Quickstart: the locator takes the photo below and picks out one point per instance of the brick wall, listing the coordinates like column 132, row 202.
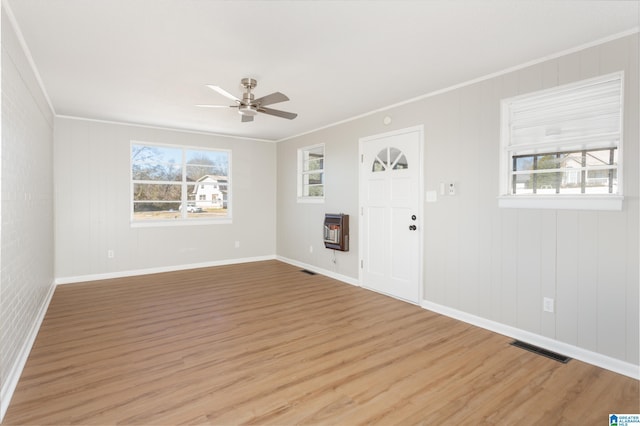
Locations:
column 26, row 232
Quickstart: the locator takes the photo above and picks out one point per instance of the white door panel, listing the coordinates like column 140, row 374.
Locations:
column 390, row 199
column 377, row 239
column 401, row 191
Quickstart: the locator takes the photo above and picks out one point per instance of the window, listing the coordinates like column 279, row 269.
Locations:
column 173, row 184
column 389, row 158
column 562, row 147
column 311, row 174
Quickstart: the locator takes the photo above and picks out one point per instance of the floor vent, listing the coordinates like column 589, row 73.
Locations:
column 531, row 348
column 306, row 271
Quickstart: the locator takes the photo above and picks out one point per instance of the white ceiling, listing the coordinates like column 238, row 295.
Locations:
column 148, row 61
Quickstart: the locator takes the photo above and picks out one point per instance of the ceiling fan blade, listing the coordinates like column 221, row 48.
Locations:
column 273, row 98
column 246, row 118
column 278, row 113
column 217, row 106
column 223, row 92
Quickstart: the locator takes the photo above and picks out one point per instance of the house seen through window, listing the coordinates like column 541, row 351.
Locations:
column 173, row 183
column 573, row 172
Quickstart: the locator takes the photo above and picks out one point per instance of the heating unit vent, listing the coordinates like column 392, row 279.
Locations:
column 531, row 348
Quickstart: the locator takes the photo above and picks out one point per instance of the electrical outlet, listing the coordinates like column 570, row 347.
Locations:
column 111, row 254
column 547, row 304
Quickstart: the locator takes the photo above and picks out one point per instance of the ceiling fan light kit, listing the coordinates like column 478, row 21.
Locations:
column 248, row 106
column 247, row 110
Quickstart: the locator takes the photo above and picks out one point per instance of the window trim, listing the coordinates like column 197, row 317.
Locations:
column 609, row 202
column 300, row 173
column 182, row 221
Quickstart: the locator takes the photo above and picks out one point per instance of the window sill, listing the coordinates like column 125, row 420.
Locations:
column 562, row 202
column 310, row 200
column 179, row 222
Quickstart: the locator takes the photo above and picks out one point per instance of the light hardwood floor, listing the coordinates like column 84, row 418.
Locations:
column 263, row 343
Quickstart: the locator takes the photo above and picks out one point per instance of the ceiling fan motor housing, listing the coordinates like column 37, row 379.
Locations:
column 247, row 107
column 248, row 110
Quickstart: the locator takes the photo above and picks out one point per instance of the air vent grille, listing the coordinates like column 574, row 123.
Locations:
column 540, row 351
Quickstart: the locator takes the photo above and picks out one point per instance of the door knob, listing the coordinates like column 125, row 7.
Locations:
column 413, row 217
column 412, row 227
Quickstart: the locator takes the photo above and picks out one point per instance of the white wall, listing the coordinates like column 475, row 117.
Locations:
column 26, row 250
column 300, row 225
column 92, row 194
column 499, row 263
column 495, row 264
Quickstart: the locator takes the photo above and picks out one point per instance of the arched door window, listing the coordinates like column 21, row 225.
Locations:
column 389, row 158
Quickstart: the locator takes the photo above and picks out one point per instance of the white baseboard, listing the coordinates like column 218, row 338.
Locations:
column 326, row 272
column 10, row 381
column 590, row 357
column 131, row 273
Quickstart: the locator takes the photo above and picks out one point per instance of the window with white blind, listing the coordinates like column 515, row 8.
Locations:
column 562, row 147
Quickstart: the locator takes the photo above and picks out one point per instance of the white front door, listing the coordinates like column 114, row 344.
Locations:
column 391, row 213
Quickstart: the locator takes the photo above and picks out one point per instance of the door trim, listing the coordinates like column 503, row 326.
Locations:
column 420, row 130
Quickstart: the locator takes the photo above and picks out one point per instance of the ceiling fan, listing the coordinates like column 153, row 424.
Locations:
column 248, row 107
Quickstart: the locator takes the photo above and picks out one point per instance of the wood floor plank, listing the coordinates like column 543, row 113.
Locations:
column 263, row 343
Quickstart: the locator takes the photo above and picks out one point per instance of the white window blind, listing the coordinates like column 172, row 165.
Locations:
column 569, row 117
